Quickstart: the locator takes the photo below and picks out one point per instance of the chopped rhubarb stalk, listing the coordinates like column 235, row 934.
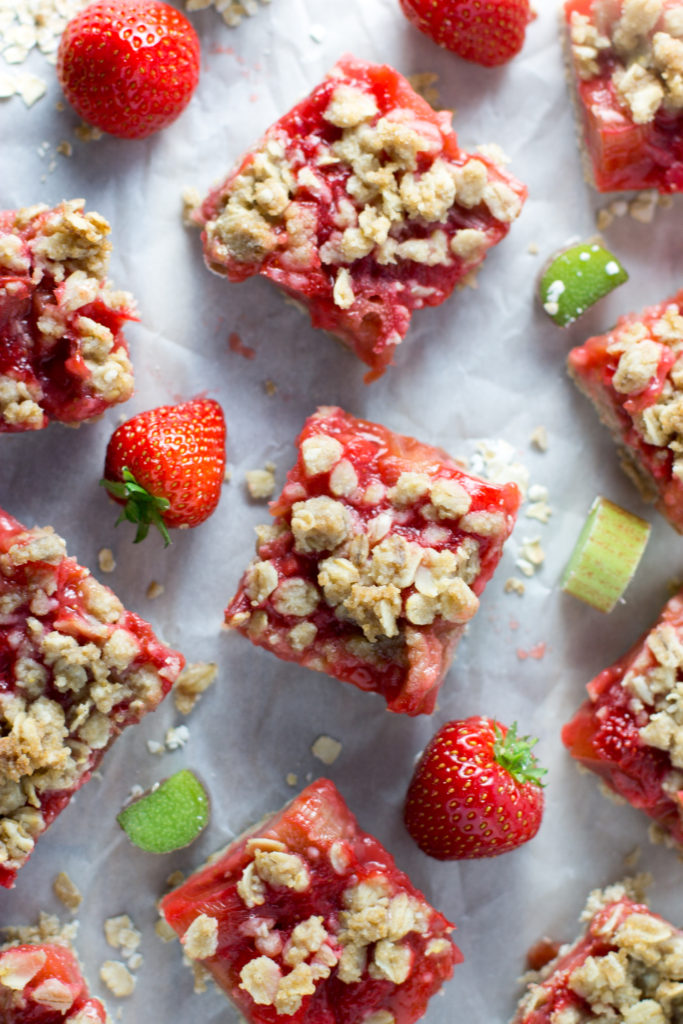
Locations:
column 626, row 59
column 380, row 549
column 625, row 969
column 169, row 817
column 307, row 918
column 629, row 731
column 577, row 278
column 634, row 377
column 42, row 984
column 76, row 668
column 62, row 352
column 360, row 204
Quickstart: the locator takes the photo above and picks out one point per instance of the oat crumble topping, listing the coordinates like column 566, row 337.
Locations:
column 117, row 978
column 192, row 682
column 67, row 891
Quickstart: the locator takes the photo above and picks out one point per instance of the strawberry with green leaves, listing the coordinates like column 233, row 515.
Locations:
column 488, row 32
column 476, row 792
column 166, row 465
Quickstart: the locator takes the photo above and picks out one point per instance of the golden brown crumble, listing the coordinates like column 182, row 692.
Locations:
column 260, row 482
column 117, row 978
column 201, row 938
column 191, row 684
column 67, row 891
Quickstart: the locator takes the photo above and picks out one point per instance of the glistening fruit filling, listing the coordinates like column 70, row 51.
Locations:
column 62, row 352
column 76, row 668
column 308, row 918
column 360, row 204
column 626, row 969
column 630, row 730
column 628, row 66
column 380, row 548
column 634, row 376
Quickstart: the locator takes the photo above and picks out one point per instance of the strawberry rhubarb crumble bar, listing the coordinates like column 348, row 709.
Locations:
column 308, row 918
column 627, row 63
column 62, row 352
column 380, row 548
column 634, row 376
column 75, row 669
column 626, row 969
column 630, row 730
column 360, row 204
column 41, row 981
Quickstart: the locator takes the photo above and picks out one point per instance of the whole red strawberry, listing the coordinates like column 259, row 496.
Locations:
column 476, row 791
column 488, row 32
column 166, row 466
column 129, row 66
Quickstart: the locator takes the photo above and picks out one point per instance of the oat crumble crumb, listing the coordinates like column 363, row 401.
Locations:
column 117, row 978
column 154, row 590
column 326, row 749
column 201, row 938
column 106, row 560
column 260, row 483
column 513, row 585
column 67, row 891
column 539, row 438
column 192, row 682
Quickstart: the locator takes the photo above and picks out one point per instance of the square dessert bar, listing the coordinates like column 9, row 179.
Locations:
column 379, row 551
column 41, row 981
column 626, row 969
column 630, row 730
column 307, row 917
column 634, row 377
column 626, row 58
column 75, row 669
column 360, row 204
column 62, row 352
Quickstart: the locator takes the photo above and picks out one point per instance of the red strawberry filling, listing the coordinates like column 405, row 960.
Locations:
column 308, row 918
column 628, row 732
column 360, row 204
column 76, row 668
column 634, row 376
column 62, row 352
column 625, row 968
column 42, row 984
column 380, row 548
column 626, row 59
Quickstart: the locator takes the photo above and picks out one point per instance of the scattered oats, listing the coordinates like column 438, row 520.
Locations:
column 326, row 749
column 191, row 684
column 539, row 438
column 514, row 585
column 66, row 891
column 270, row 387
column 531, row 557
column 642, row 208
column 291, row 778
column 177, row 737
column 631, row 859
column 495, row 460
column 29, row 87
column 7, row 85
column 260, row 483
column 232, row 11
column 532, row 248
column 424, row 84
column 88, row 132
column 65, row 148
column 121, row 933
column 164, row 930
column 192, row 200
column 539, row 510
column 154, row 590
column 135, row 961
column 154, row 747
column 106, row 560
column 117, row 978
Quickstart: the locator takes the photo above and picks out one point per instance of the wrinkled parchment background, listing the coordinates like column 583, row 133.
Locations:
column 485, row 364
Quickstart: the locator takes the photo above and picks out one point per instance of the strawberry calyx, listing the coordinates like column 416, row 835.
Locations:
column 141, row 508
column 514, row 754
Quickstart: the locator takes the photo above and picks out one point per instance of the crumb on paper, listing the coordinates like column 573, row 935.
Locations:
column 232, row 11
column 164, row 930
column 468, row 281
column 538, row 507
column 67, row 891
column 175, row 879
column 643, row 207
column 65, row 148
column 154, row 747
column 496, row 460
column 424, row 84
column 513, row 585
column 88, row 132
column 531, row 556
column 260, row 483
column 48, row 929
column 270, row 387
column 532, row 248
column 539, row 438
column 117, row 978
column 632, row 857
column 201, row 976
column 106, row 560
column 155, row 589
column 176, row 737
column 192, row 200
column 192, row 683
column 326, row 749
column 291, row 779
column 121, row 933
column 30, row 87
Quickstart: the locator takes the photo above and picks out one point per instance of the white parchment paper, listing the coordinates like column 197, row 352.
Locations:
column 486, row 364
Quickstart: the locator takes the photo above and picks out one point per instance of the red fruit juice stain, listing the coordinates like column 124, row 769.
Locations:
column 536, row 652
column 237, row 345
column 541, row 953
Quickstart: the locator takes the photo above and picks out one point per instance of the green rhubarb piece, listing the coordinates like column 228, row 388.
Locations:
column 606, row 555
column 169, row 817
column 577, row 278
